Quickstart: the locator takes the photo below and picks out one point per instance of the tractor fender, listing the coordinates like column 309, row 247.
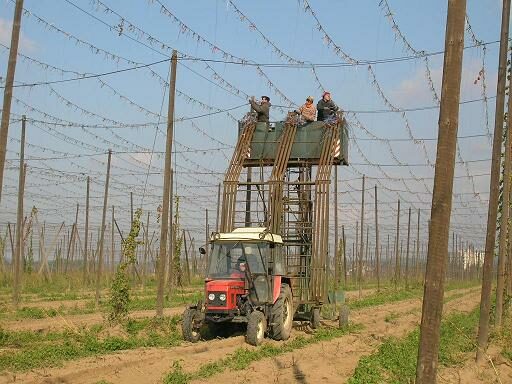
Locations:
column 276, row 288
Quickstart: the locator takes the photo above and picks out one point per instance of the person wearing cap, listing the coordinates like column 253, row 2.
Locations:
column 326, row 108
column 262, row 109
column 308, row 110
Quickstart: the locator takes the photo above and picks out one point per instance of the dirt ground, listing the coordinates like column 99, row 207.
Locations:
column 328, row 362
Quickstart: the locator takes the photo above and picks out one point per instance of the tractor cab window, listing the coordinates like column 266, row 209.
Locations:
column 234, row 259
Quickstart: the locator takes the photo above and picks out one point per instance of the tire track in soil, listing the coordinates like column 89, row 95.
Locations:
column 335, row 361
column 149, row 365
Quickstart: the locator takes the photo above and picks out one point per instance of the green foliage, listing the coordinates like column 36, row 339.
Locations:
column 28, row 262
column 243, row 357
column 177, row 375
column 24, row 350
column 395, row 361
column 119, row 298
column 178, row 240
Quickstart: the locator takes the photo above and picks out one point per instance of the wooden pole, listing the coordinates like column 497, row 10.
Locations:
column 407, row 251
column 504, row 220
column 112, row 244
column 71, row 240
column 164, row 227
column 377, row 255
column 426, row 368
column 19, row 218
column 485, row 300
column 131, row 209
column 337, row 254
column 218, row 210
column 361, row 249
column 9, row 82
column 417, row 265
column 206, row 227
column 248, row 198
column 397, row 256
column 344, row 256
column 99, row 265
column 86, row 235
column 186, row 256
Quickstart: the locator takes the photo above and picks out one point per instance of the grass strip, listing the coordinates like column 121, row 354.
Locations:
column 384, row 297
column 395, row 360
column 22, row 351
column 243, row 357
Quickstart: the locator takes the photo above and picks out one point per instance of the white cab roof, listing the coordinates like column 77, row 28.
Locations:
column 248, row 234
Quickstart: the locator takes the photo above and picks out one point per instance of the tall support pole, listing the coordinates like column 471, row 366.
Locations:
column 337, row 253
column 388, row 263
column 112, row 243
column 207, row 238
column 361, row 249
column 417, row 265
column 172, row 275
column 9, row 81
column 186, row 257
column 19, row 218
column 355, row 254
column 218, row 210
column 426, row 368
column 248, row 198
column 397, row 253
column 164, row 226
column 407, row 251
column 99, row 265
column 504, row 220
column 485, row 300
column 377, row 253
column 86, row 233
column 131, row 209
column 344, row 256
column 71, row 240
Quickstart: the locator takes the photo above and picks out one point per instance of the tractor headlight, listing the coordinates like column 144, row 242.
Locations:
column 222, row 297
column 211, row 296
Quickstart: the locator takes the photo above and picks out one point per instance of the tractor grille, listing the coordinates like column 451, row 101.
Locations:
column 217, row 302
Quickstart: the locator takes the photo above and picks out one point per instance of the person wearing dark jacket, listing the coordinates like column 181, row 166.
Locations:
column 262, row 109
column 326, row 108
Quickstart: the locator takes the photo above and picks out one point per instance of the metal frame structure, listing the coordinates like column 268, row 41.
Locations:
column 296, row 209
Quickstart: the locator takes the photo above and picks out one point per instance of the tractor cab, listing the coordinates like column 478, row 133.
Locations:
column 243, row 268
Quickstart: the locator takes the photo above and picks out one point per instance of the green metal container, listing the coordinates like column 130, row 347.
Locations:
column 306, row 148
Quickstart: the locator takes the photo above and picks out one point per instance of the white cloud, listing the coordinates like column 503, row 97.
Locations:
column 25, row 44
column 415, row 91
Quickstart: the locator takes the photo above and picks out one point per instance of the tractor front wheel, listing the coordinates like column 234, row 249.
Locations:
column 256, row 327
column 282, row 314
column 191, row 324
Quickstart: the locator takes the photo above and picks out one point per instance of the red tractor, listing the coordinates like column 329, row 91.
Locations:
column 246, row 283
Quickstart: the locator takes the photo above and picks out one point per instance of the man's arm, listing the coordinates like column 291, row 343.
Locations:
column 256, row 106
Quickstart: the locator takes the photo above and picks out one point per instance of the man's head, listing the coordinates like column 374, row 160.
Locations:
column 265, row 99
column 326, row 96
column 309, row 100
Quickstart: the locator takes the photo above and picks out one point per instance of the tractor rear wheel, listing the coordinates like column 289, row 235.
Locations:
column 315, row 318
column 256, row 327
column 191, row 325
column 282, row 314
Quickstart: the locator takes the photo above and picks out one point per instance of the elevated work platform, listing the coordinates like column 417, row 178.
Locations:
column 306, row 148
column 289, row 168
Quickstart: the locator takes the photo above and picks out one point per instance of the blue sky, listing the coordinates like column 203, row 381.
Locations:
column 360, row 28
